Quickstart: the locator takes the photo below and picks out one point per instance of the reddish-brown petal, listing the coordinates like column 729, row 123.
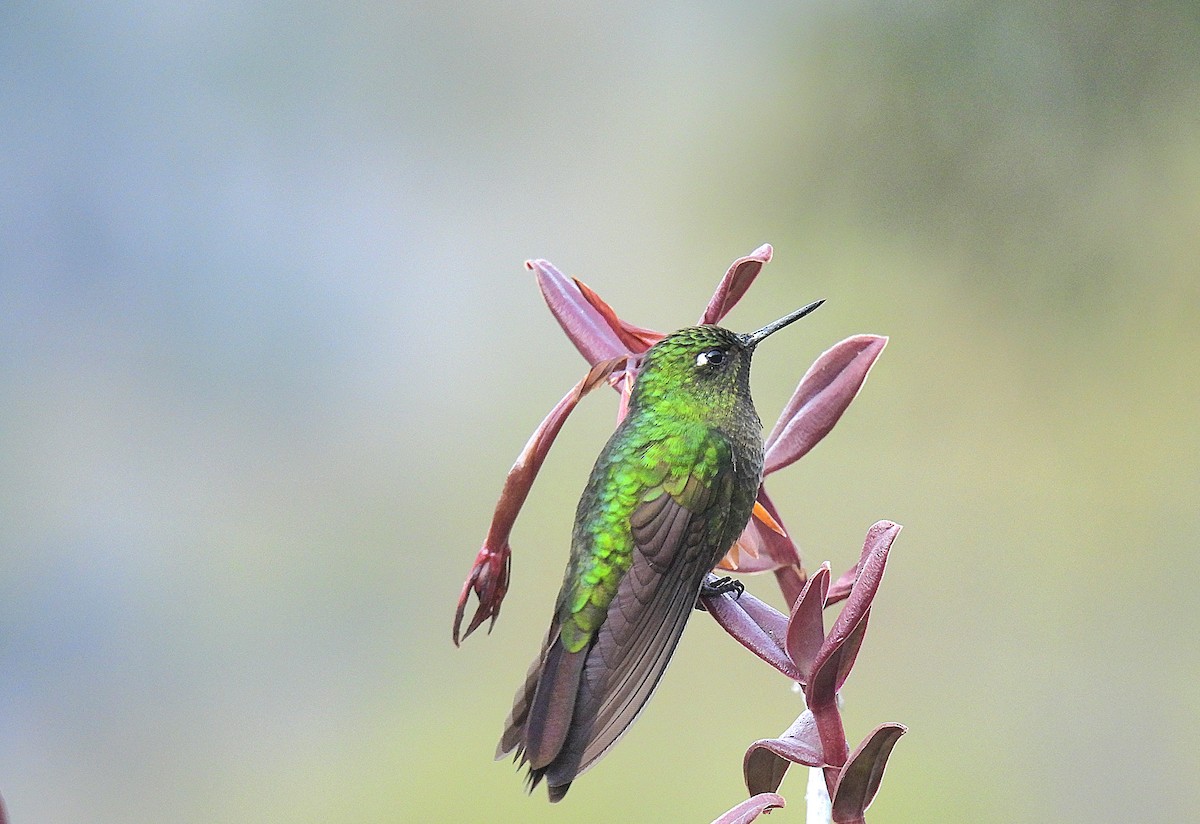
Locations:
column 751, row 808
column 586, row 326
column 822, row 701
column 859, row 779
column 836, row 656
column 839, row 590
column 737, row 280
column 825, row 391
column 791, row 580
column 637, row 338
column 755, row 625
column 827, row 677
column 487, row 584
column 871, row 564
column 767, row 761
column 806, row 627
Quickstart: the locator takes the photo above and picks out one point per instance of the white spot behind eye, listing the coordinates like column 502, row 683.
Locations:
column 702, row 359
column 715, row 357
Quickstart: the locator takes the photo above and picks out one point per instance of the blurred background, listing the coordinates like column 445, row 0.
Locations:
column 267, row 349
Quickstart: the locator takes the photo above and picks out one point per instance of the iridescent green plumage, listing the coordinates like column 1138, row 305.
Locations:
column 664, row 447
column 668, row 496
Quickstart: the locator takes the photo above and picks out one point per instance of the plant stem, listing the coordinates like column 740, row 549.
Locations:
column 820, row 809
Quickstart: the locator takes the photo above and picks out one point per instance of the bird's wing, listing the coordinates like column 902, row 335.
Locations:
column 676, row 529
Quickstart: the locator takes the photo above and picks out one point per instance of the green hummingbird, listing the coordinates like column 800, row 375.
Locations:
column 670, row 493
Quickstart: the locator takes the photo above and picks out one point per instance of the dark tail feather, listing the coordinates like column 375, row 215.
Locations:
column 566, row 765
column 542, row 712
column 514, row 726
column 558, row 791
column 623, row 667
column 574, row 706
column 549, row 718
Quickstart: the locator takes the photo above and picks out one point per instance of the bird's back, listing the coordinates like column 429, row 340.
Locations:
column 666, row 499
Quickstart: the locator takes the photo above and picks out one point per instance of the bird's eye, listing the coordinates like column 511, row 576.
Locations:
column 713, row 357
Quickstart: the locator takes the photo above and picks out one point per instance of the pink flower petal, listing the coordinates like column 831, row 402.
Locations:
column 637, row 338
column 755, row 625
column 871, row 564
column 806, row 627
column 839, row 590
column 791, row 580
column 859, row 779
column 737, row 280
column 836, row 656
column 767, row 761
column 825, row 391
column 585, row 325
column 751, row 808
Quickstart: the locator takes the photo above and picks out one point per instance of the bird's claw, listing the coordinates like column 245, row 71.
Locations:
column 722, row 586
column 719, row 586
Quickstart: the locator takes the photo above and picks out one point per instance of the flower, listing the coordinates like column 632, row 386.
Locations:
column 798, row 647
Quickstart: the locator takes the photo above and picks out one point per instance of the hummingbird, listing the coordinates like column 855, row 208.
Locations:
column 669, row 494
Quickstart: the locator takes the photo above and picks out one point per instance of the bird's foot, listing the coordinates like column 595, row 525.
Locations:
column 720, row 586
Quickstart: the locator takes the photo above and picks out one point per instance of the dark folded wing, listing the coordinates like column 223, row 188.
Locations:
column 676, row 543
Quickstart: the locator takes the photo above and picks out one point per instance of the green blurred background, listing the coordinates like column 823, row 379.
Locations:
column 267, row 349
